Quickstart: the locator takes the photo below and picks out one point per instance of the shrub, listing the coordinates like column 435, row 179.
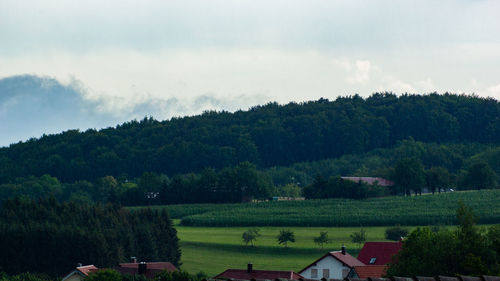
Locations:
column 395, row 233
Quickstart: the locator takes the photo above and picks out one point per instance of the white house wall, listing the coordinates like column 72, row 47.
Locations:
column 329, row 262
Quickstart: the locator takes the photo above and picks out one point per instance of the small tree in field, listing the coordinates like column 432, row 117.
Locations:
column 250, row 236
column 285, row 236
column 322, row 239
column 396, row 233
column 358, row 237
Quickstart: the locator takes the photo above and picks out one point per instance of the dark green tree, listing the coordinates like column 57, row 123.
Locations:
column 250, row 236
column 481, row 176
column 322, row 239
column 285, row 236
column 409, row 176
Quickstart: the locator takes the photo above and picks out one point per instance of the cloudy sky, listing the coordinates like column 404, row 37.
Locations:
column 118, row 60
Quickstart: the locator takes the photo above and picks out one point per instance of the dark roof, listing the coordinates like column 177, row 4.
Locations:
column 372, row 271
column 370, row 180
column 151, row 265
column 152, row 268
column 345, row 259
column 242, row 274
column 381, row 251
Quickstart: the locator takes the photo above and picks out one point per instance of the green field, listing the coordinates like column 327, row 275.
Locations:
column 214, row 249
column 415, row 210
column 215, row 245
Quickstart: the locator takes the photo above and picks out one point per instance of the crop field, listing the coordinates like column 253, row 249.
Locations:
column 215, row 249
column 437, row 209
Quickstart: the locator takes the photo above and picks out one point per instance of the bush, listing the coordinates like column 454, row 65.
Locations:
column 395, row 233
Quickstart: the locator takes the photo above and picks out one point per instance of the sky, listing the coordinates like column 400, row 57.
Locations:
column 118, row 60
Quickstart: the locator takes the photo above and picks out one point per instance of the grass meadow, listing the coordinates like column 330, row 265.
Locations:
column 214, row 249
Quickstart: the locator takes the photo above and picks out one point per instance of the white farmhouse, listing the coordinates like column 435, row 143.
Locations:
column 333, row 265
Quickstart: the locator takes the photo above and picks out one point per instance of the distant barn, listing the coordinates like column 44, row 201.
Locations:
column 370, row 180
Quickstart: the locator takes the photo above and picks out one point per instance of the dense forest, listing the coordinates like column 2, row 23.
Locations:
column 271, row 150
column 268, row 135
column 51, row 237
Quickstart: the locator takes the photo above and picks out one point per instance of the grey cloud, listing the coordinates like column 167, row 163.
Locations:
column 31, row 106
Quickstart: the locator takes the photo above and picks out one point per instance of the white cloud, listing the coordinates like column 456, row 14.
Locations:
column 494, row 92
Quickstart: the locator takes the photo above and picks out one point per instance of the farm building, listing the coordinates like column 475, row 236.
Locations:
column 333, row 265
column 148, row 269
column 370, row 180
column 252, row 274
column 80, row 273
column 378, row 253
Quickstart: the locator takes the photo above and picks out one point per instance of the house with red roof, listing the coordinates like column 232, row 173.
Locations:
column 367, row 271
column 378, row 253
column 333, row 265
column 148, row 269
column 80, row 273
column 252, row 274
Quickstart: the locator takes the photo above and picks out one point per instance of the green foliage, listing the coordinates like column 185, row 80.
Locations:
column 322, row 239
column 409, row 176
column 336, row 187
column 396, row 233
column 358, row 237
column 49, row 237
column 268, row 135
column 466, row 251
column 392, row 210
column 438, row 178
column 26, row 276
column 175, row 276
column 285, row 236
column 104, row 275
column 250, row 236
column 481, row 176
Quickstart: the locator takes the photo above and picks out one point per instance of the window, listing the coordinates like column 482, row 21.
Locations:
column 326, row 273
column 372, row 260
column 314, row 273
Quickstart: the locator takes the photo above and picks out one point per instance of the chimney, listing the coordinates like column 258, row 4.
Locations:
column 343, row 249
column 79, row 264
column 142, row 268
column 133, row 260
column 249, row 268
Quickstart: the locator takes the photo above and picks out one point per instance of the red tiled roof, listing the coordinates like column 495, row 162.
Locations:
column 370, row 180
column 85, row 270
column 373, row 271
column 242, row 274
column 382, row 251
column 346, row 259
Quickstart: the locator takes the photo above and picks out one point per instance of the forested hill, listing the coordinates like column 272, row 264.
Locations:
column 265, row 135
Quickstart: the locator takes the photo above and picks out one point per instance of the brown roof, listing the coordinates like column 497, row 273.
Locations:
column 85, row 270
column 370, row 180
column 382, row 252
column 345, row 259
column 242, row 274
column 372, row 271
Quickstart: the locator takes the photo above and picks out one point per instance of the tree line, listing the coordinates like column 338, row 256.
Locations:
column 45, row 236
column 266, row 136
column 468, row 250
column 435, row 167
